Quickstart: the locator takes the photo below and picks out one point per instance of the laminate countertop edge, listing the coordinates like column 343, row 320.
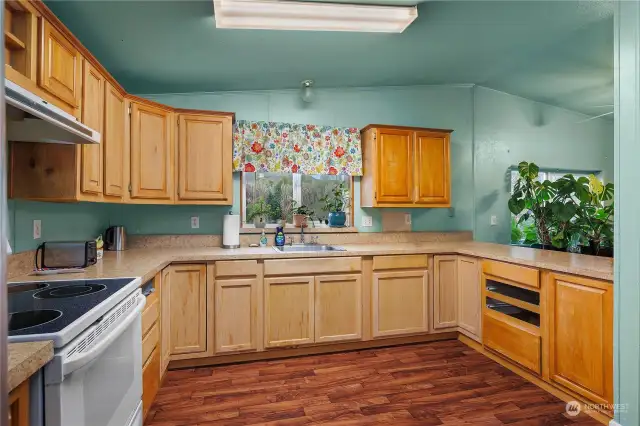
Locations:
column 147, row 262
column 25, row 359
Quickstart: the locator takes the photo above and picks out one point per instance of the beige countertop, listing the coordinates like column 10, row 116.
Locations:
column 25, row 359
column 146, row 262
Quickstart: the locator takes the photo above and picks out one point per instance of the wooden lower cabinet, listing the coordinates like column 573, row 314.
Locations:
column 445, row 291
column 165, row 318
column 469, row 297
column 150, row 381
column 338, row 308
column 580, row 312
column 190, row 293
column 514, row 339
column 399, row 303
column 289, row 311
column 19, row 405
column 236, row 315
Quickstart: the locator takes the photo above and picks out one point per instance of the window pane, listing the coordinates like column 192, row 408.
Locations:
column 276, row 189
column 315, row 187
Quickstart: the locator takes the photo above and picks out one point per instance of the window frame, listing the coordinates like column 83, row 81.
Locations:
column 297, row 189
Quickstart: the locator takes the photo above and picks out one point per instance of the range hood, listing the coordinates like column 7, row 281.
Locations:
column 32, row 119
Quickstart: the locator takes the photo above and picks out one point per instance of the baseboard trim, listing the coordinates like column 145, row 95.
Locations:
column 558, row 393
column 309, row 350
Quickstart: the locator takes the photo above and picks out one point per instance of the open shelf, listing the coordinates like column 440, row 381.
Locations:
column 12, row 42
column 513, row 311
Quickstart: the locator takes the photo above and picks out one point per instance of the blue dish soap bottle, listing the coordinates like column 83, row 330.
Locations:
column 280, row 239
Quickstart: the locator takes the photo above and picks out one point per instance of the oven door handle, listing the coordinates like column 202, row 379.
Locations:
column 75, row 363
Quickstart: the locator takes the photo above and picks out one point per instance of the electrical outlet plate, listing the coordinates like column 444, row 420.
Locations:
column 37, row 229
column 367, row 221
column 195, row 222
column 494, row 220
column 407, row 218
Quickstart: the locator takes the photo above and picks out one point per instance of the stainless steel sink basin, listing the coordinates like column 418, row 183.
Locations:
column 308, row 247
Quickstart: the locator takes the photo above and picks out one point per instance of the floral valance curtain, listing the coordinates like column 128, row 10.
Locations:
column 260, row 146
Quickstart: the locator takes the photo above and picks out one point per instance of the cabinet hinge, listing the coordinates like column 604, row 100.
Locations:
column 129, row 109
column 375, row 195
column 129, row 187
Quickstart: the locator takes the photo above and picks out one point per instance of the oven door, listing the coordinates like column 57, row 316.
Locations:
column 96, row 380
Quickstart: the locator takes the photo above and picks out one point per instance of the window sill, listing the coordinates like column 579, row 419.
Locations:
column 288, row 229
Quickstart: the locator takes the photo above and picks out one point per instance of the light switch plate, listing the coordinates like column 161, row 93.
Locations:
column 367, row 221
column 494, row 220
column 195, row 222
column 37, row 229
column 407, row 218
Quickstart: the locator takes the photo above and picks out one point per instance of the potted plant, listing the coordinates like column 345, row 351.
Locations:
column 300, row 215
column 259, row 212
column 532, row 199
column 334, row 203
column 595, row 217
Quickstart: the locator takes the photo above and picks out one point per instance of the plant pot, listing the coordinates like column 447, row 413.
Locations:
column 300, row 220
column 259, row 222
column 595, row 249
column 337, row 219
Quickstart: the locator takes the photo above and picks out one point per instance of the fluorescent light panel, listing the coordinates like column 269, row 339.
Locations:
column 311, row 16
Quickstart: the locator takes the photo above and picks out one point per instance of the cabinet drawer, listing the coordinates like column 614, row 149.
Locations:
column 150, row 313
column 150, row 381
column 512, row 340
column 515, row 273
column 312, row 266
column 150, row 342
column 412, row 261
column 236, row 268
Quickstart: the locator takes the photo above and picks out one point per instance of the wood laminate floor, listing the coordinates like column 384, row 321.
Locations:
column 439, row 383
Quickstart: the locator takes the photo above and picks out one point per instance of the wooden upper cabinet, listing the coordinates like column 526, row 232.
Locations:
column 405, row 167
column 60, row 67
column 395, row 157
column 91, row 177
column 205, row 151
column 113, row 141
column 431, row 161
column 20, row 42
column 151, row 168
column 580, row 312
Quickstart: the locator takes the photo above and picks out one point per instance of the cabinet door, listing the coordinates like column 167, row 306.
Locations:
column 469, row 297
column 165, row 319
column 113, row 137
column 289, row 311
column 236, row 315
column 151, row 153
column 445, row 292
column 60, row 66
column 432, row 168
column 580, row 313
column 92, row 116
column 188, row 319
column 205, row 158
column 338, row 308
column 19, row 405
column 399, row 302
column 395, row 166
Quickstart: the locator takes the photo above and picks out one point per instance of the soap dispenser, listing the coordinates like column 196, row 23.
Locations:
column 280, row 238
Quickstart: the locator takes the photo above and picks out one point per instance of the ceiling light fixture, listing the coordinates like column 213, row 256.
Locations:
column 312, row 16
column 307, row 91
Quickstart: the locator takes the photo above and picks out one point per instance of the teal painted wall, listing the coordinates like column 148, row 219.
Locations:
column 493, row 131
column 509, row 129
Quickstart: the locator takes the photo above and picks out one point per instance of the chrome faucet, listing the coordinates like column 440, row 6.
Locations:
column 302, row 235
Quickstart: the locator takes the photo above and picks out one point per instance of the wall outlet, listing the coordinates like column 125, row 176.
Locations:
column 195, row 222
column 407, row 218
column 37, row 229
column 367, row 221
column 494, row 220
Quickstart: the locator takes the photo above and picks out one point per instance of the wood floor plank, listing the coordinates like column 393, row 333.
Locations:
column 437, row 383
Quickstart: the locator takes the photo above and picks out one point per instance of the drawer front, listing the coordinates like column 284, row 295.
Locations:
column 150, row 381
column 411, row 261
column 150, row 342
column 513, row 342
column 150, row 313
column 312, row 266
column 236, row 268
column 511, row 272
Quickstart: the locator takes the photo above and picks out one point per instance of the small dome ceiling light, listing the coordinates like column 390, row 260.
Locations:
column 307, row 91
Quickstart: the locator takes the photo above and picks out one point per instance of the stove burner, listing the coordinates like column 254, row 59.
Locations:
column 26, row 319
column 69, row 291
column 21, row 288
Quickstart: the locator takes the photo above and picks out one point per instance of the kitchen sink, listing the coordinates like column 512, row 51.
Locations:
column 308, row 247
